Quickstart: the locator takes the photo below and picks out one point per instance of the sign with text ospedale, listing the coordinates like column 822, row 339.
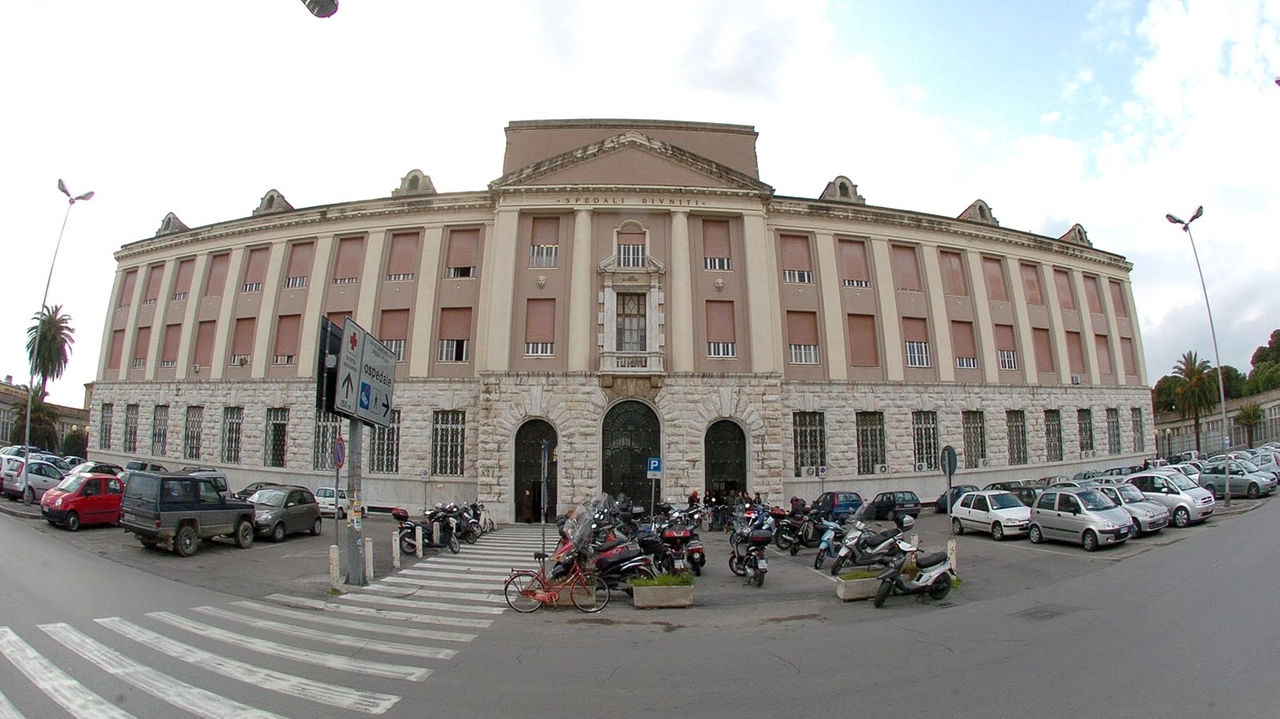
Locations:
column 366, row 377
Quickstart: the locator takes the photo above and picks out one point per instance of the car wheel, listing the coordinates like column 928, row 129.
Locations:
column 315, row 528
column 1137, row 527
column 73, row 522
column 1252, row 493
column 244, row 534
column 1181, row 518
column 891, row 516
column 1035, row 534
column 186, row 542
column 956, row 527
column 29, row 496
column 997, row 531
column 1213, row 489
column 277, row 532
column 342, row 513
column 1090, row 541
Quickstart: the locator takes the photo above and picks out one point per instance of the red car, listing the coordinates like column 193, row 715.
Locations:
column 83, row 499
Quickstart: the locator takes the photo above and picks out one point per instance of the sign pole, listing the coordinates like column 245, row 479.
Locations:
column 949, row 467
column 545, row 445
column 355, row 537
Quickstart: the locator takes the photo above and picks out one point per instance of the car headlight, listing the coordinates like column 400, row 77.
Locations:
column 266, row 516
column 58, row 503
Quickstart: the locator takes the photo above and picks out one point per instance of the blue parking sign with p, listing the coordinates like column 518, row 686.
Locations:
column 654, row 466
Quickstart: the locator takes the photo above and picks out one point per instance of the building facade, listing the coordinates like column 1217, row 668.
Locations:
column 627, row 290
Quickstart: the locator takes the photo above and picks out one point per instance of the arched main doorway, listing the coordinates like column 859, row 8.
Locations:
column 630, row 437
column 725, row 460
column 528, row 471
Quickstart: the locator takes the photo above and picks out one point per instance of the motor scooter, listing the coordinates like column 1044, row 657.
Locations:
column 863, row 546
column 407, row 534
column 832, row 536
column 933, row 574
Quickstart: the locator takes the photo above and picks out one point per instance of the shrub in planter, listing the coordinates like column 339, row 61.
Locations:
column 664, row 590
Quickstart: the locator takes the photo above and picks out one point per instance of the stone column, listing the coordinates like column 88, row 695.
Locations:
column 424, row 310
column 583, row 295
column 763, row 302
column 679, row 315
column 497, row 285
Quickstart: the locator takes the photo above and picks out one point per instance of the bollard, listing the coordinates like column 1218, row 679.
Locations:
column 368, row 557
column 951, row 553
column 335, row 581
column 395, row 549
column 417, row 538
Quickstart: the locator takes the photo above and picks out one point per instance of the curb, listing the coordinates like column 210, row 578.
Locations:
column 15, row 511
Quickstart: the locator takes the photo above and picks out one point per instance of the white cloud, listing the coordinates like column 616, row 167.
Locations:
column 1050, row 118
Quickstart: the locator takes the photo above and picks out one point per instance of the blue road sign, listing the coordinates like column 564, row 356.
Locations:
column 655, row 464
column 339, row 452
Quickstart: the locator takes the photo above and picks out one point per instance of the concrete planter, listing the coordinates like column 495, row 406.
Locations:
column 853, row 589
column 662, row 597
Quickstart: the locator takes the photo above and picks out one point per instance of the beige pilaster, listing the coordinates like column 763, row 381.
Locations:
column 309, row 333
column 497, row 288
column 763, row 301
column 882, row 276
column 679, row 318
column 424, row 309
column 370, row 280
column 223, row 332
column 1026, row 344
column 983, row 326
column 131, row 329
column 944, row 354
column 582, row 295
column 832, row 311
column 263, row 351
column 1061, row 359
column 189, row 324
column 158, row 317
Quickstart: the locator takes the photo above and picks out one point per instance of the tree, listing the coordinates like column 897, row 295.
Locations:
column 1234, row 381
column 1268, row 353
column 1196, row 389
column 1250, row 416
column 55, row 332
column 44, row 423
column 1264, row 378
column 75, row 443
column 1165, row 395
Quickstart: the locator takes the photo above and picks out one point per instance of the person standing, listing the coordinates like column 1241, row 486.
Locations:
column 693, row 498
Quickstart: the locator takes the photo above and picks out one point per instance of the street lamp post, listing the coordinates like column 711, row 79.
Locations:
column 35, row 347
column 1222, row 386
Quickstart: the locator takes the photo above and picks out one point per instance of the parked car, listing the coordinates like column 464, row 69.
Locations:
column 1187, row 502
column 951, row 495
column 176, row 510
column 998, row 512
column 253, row 487
column 891, row 505
column 31, row 480
column 1024, row 489
column 839, row 504
column 284, row 510
column 1267, row 462
column 324, row 498
column 1122, row 471
column 73, row 460
column 1081, row 515
column 1147, row 516
column 114, row 470
column 1238, row 477
column 1087, row 474
column 145, row 466
column 82, row 499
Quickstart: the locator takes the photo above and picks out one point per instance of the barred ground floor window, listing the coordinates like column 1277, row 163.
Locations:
column 193, row 433
column 384, row 447
column 1084, row 421
column 104, row 426
column 1016, row 424
column 274, row 441
column 975, row 438
column 323, row 439
column 448, row 440
column 1113, row 431
column 131, row 428
column 1139, row 433
column 809, row 440
column 924, row 433
column 232, row 422
column 871, row 445
column 1053, row 435
column 159, row 429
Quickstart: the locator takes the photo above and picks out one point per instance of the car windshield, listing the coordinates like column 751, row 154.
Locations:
column 1247, row 465
column 1180, row 481
column 269, row 497
column 1005, row 500
column 1094, row 500
column 1130, row 493
column 72, row 483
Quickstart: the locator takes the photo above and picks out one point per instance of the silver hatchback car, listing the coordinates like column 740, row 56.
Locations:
column 1080, row 515
column 1147, row 516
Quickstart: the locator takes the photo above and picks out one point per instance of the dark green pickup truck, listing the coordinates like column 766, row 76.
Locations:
column 175, row 510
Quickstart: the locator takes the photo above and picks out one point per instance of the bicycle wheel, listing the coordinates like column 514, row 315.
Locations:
column 522, row 591
column 590, row 593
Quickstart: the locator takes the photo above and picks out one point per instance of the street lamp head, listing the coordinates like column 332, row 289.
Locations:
column 1174, row 220
column 63, row 187
column 86, row 196
column 1199, row 212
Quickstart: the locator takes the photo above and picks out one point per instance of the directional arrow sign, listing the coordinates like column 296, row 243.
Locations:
column 367, row 369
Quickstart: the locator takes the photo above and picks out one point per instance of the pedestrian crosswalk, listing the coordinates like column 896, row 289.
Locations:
column 358, row 653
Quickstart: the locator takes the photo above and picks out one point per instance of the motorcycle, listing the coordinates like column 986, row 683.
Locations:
column 808, row 532
column 680, row 536
column 933, row 574
column 438, row 517
column 865, row 547
column 832, row 537
column 749, row 539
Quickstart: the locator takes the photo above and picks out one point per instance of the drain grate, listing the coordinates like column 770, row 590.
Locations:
column 1044, row 611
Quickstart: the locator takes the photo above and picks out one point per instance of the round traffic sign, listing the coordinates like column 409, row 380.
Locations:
column 339, row 453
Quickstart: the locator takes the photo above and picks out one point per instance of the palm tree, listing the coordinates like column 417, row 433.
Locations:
column 1250, row 415
column 54, row 331
column 1195, row 388
column 44, row 423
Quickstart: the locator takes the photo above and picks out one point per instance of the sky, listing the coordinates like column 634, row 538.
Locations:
column 1108, row 113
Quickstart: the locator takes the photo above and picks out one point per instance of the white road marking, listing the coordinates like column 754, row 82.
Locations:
column 56, row 684
column 506, row 565
column 8, row 710
column 317, row 604
column 345, row 640
column 439, row 606
column 411, row 632
column 457, row 570
column 320, row 692
column 391, row 586
column 162, row 686
column 416, row 581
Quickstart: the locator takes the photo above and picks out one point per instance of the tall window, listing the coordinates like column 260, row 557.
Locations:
column 924, row 431
column 802, row 337
column 871, row 450
column 915, row 331
column 461, row 259
column 6, row 424
column 1006, row 348
column 455, row 335
column 797, row 265
column 448, row 438
column 631, row 323
column 1139, row 434
column 809, row 440
column 544, row 245
column 277, row 433
column 384, row 447
column 1016, row 424
column 104, row 426
column 159, row 429
column 131, row 428
column 721, row 333
column 540, row 328
column 1113, row 431
column 1084, row 421
column 631, row 249
column 715, row 245
column 192, row 433
column 1053, row 435
column 323, row 438
column 232, row 418
column 975, row 439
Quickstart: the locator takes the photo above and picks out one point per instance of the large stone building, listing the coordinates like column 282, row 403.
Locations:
column 628, row 290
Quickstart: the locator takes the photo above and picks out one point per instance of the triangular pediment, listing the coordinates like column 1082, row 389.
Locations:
column 631, row 159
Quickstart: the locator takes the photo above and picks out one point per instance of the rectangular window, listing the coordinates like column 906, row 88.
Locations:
column 346, row 280
column 1127, row 355
column 905, row 267
column 242, row 342
column 540, row 327
column 924, row 431
column 287, row 327
column 104, row 426
column 802, row 337
column 155, row 274
column 630, row 254
column 863, row 350
column 6, row 423
column 299, row 268
column 544, row 244
column 631, row 327
column 232, row 419
column 1117, row 300
column 1031, row 284
column 274, row 443
column 1044, row 350
column 853, row 264
column 193, row 433
column 448, row 439
column 131, row 428
column 455, row 335
column 1016, row 424
column 384, row 447
column 159, row 429
column 251, row 287
column 975, row 439
column 1053, row 435
column 797, row 277
column 809, row 440
column 204, row 343
column 141, row 346
column 1006, row 348
column 1075, row 353
column 1103, row 347
column 917, row 354
column 722, row 349
column 1008, row 359
column 871, row 445
column 169, row 346
column 993, row 273
column 117, row 349
column 954, row 280
column 543, row 255
column 797, row 266
column 393, row 330
column 295, row 283
column 1113, row 431
column 397, row 347
column 715, row 245
column 1092, row 294
column 1066, row 294
column 1139, row 434
column 255, row 270
column 721, row 332
column 216, row 280
column 323, row 438
column 963, row 345
column 403, row 260
column 182, row 286
column 1084, row 422
column 126, row 290
column 916, row 332
column 346, row 270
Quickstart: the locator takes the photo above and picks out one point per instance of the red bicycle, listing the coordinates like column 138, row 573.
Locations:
column 526, row 590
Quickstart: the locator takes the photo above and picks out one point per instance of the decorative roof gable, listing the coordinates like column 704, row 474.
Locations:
column 979, row 211
column 842, row 189
column 1076, row 236
column 272, row 202
column 415, row 183
column 170, row 225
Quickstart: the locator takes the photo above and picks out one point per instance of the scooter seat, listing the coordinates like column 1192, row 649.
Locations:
column 603, row 564
column 931, row 560
column 876, row 540
column 540, row 555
